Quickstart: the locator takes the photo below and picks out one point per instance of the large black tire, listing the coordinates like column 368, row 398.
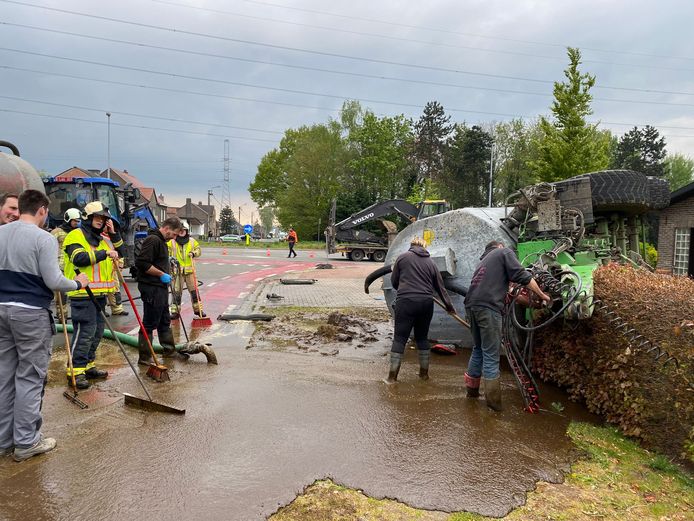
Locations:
column 357, row 255
column 619, row 190
column 659, row 192
column 379, row 256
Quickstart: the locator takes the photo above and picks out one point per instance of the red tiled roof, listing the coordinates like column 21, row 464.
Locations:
column 73, row 172
column 146, row 192
column 126, row 177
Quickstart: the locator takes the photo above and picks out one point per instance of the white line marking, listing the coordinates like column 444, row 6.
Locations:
column 243, row 294
column 225, row 278
column 220, row 264
column 271, row 275
column 258, row 279
column 211, row 284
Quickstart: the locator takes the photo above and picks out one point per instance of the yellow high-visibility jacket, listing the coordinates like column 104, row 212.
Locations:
column 182, row 253
column 100, row 270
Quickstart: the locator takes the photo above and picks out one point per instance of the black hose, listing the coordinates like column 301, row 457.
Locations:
column 557, row 314
column 377, row 274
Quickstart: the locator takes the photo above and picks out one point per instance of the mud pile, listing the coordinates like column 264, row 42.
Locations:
column 617, row 362
column 326, row 332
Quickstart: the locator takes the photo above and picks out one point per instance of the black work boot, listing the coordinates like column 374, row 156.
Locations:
column 93, row 373
column 424, row 356
column 473, row 386
column 81, row 381
column 168, row 344
column 145, row 357
column 492, row 393
column 395, row 361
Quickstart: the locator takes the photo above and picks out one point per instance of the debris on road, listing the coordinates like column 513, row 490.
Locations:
column 254, row 316
column 298, row 281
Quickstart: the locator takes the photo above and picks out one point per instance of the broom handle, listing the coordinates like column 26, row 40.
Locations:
column 113, row 333
column 59, row 298
column 195, row 280
column 137, row 314
column 454, row 315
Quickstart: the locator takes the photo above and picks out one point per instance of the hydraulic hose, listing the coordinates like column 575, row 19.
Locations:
column 556, row 315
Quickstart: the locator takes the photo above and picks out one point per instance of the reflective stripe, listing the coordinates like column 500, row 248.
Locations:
column 100, row 274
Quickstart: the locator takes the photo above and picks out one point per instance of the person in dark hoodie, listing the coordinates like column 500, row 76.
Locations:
column 153, row 280
column 415, row 277
column 484, row 303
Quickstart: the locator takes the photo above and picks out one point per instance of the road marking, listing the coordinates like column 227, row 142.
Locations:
column 243, row 294
column 271, row 275
column 220, row 264
column 258, row 279
column 266, row 265
column 244, row 272
column 211, row 284
column 225, row 278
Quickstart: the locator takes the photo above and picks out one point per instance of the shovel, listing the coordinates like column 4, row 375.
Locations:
column 72, row 397
column 454, row 315
column 134, row 401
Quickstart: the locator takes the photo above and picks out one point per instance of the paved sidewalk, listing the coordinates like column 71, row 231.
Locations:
column 341, row 287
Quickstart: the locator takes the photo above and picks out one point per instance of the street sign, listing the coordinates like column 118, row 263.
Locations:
column 248, row 229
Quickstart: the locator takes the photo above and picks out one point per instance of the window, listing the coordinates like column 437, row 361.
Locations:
column 680, row 266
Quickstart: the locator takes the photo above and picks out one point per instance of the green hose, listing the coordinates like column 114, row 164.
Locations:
column 127, row 340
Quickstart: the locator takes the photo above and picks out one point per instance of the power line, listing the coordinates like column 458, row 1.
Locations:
column 409, row 40
column 306, row 67
column 310, row 51
column 80, row 107
column 458, row 33
column 69, row 118
column 291, row 91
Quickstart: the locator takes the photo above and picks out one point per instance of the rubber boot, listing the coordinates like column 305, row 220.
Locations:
column 168, row 344
column 395, row 361
column 145, row 357
column 424, row 356
column 492, row 393
column 81, row 381
column 473, row 386
column 94, row 372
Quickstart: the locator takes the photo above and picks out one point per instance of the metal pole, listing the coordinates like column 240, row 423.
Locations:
column 108, row 117
column 491, row 173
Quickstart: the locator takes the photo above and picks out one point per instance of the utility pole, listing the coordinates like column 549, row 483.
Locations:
column 108, row 117
column 491, row 173
column 239, row 216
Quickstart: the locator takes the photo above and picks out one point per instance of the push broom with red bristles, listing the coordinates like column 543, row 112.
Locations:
column 156, row 371
column 200, row 320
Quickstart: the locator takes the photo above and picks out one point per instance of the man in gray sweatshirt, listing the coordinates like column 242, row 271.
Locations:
column 29, row 274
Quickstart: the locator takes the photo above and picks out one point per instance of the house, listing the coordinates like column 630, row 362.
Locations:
column 676, row 234
column 201, row 218
column 147, row 194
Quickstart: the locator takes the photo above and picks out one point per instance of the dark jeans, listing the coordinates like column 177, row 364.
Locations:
column 88, row 329
column 409, row 314
column 155, row 301
column 485, row 326
column 291, row 249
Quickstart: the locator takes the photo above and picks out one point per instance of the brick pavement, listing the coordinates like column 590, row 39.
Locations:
column 341, row 287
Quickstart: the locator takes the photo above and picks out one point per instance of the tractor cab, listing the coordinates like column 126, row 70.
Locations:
column 432, row 207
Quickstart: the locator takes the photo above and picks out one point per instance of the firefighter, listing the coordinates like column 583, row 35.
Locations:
column 183, row 249
column 86, row 250
column 72, row 220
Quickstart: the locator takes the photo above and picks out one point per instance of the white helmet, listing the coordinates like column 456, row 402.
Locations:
column 185, row 225
column 72, row 213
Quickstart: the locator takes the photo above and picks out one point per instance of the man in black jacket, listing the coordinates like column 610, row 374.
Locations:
column 484, row 303
column 415, row 277
column 153, row 282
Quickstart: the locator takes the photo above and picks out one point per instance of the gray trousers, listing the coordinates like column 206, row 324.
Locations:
column 25, row 350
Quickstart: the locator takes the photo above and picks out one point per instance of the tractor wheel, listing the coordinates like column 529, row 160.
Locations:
column 659, row 190
column 379, row 256
column 357, row 255
column 619, row 190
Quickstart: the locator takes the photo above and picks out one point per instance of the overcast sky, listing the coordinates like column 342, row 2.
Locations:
column 247, row 70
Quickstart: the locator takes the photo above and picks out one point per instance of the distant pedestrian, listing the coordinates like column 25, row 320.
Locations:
column 292, row 239
column 484, row 302
column 153, row 280
column 9, row 209
column 29, row 274
column 416, row 278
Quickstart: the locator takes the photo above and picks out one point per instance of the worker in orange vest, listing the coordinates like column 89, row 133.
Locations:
column 292, row 239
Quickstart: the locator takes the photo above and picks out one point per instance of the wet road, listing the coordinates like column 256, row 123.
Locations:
column 262, row 425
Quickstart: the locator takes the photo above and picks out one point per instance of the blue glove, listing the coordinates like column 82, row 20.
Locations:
column 165, row 278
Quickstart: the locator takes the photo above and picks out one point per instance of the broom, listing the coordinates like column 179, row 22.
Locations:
column 156, row 371
column 200, row 320
column 72, row 397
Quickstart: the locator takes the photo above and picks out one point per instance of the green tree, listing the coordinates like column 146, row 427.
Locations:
column 642, row 150
column 314, row 173
column 465, row 181
column 267, row 218
column 431, row 134
column 227, row 221
column 515, row 149
column 271, row 179
column 569, row 146
column 679, row 170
